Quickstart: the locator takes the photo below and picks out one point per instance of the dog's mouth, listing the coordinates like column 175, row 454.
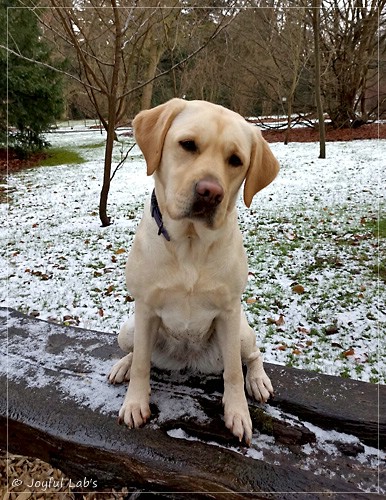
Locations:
column 203, row 211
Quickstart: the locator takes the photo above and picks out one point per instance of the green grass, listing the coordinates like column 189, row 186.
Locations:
column 96, row 145
column 380, row 229
column 380, row 270
column 377, row 227
column 61, row 156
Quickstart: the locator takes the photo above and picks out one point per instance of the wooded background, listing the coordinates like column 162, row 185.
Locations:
column 256, row 57
column 107, row 59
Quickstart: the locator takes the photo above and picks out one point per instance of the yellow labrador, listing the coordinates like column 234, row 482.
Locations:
column 188, row 268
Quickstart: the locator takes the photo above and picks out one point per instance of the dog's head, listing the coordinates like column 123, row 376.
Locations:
column 200, row 154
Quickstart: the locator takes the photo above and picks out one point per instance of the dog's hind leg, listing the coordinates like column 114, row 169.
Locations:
column 257, row 382
column 121, row 370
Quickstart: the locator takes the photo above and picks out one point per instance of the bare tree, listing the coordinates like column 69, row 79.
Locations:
column 295, row 36
column 268, row 59
column 273, row 54
column 112, row 47
column 351, row 31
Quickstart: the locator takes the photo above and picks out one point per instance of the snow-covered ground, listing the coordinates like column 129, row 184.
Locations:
column 314, row 297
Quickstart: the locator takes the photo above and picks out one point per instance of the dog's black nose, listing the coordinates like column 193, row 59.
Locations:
column 210, row 192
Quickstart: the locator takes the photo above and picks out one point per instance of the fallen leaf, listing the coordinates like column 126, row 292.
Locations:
column 298, row 289
column 331, row 330
column 101, row 312
column 119, row 251
column 251, row 300
column 350, row 352
column 278, row 322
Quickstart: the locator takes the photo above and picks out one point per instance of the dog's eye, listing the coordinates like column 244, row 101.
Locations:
column 235, row 161
column 190, row 146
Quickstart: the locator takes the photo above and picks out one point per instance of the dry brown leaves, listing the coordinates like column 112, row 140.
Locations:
column 22, row 478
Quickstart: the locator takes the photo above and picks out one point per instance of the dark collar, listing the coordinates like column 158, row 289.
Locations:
column 156, row 214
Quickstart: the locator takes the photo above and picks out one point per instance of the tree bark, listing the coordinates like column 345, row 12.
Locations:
column 318, row 96
column 290, row 102
column 154, row 57
column 105, row 219
column 83, row 439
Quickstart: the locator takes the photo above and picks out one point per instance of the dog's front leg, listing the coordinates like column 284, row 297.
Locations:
column 135, row 410
column 236, row 412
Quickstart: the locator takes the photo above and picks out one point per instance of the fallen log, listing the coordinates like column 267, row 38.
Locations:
column 56, row 405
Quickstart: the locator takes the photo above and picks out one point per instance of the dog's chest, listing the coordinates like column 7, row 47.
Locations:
column 188, row 297
column 189, row 301
column 181, row 322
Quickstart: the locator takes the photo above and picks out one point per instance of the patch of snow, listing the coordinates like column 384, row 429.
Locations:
column 180, row 434
column 173, row 407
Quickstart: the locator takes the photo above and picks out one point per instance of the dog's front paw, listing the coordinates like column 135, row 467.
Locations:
column 134, row 413
column 258, row 384
column 237, row 418
column 121, row 370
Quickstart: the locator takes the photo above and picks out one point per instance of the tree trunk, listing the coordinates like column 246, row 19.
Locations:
column 289, row 118
column 112, row 119
column 290, row 102
column 343, row 115
column 154, row 57
column 105, row 219
column 318, row 97
column 151, row 460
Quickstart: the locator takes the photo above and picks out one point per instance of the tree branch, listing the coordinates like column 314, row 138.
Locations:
column 218, row 30
column 53, row 68
column 122, row 161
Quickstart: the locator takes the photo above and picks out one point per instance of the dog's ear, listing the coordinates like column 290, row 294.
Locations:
column 150, row 128
column 262, row 170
